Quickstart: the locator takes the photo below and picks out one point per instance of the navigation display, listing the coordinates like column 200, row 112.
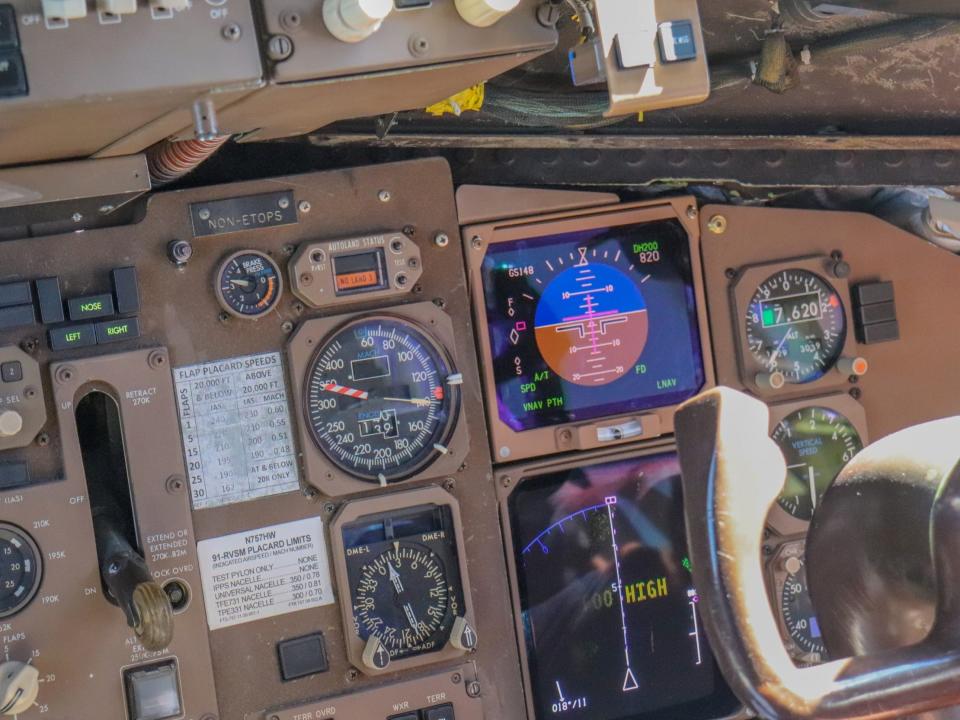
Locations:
column 592, row 323
column 610, row 614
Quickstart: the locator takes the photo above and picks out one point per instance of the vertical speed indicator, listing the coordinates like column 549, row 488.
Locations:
column 382, row 398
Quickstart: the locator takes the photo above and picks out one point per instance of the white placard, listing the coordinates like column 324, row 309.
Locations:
column 236, row 428
column 261, row 573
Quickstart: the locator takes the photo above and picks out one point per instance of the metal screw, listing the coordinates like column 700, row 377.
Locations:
column 30, row 393
column 298, row 307
column 457, row 677
column 548, row 14
column 352, row 674
column 506, row 481
column 384, row 196
column 279, row 47
column 232, row 32
column 449, row 484
column 77, row 217
column 441, row 240
column 306, row 279
column 287, row 326
column 106, row 209
column 329, row 508
column 440, row 303
column 288, row 250
column 418, row 45
column 473, row 689
column 43, row 439
column 476, row 242
column 413, row 263
column 504, row 452
column 290, row 19
column 174, row 484
column 692, row 212
column 730, row 273
column 400, row 280
column 179, row 252
column 30, row 345
column 284, row 203
column 717, row 225
column 223, row 317
column 566, row 436
column 204, row 214
column 304, row 206
column 856, row 393
column 409, row 230
column 157, row 359
column 64, row 374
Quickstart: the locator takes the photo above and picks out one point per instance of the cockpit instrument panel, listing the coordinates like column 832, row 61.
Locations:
column 793, row 321
column 607, row 611
column 590, row 326
column 379, row 397
column 400, row 565
column 818, row 438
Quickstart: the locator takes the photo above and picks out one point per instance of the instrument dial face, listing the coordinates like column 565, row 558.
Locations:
column 20, row 570
column 796, row 325
column 381, row 399
column 816, row 443
column 405, row 599
column 249, row 284
column 796, row 609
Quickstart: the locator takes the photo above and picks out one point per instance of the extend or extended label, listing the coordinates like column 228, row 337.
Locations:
column 266, row 572
column 252, row 212
column 236, row 429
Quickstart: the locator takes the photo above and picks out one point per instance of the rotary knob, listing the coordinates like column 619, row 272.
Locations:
column 19, row 687
column 11, row 423
column 484, row 13
column 355, row 20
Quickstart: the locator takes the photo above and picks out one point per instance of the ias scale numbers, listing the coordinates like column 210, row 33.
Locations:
column 237, row 433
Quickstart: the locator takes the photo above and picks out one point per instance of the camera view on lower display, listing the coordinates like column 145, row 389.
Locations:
column 610, row 615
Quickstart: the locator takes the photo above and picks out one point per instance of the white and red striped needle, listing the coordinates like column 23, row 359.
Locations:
column 348, row 391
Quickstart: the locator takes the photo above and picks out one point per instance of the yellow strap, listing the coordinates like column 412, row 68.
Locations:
column 469, row 99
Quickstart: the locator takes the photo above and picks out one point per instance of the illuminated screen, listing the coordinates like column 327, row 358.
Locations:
column 610, row 614
column 592, row 323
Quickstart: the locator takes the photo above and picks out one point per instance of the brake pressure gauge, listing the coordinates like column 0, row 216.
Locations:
column 249, row 284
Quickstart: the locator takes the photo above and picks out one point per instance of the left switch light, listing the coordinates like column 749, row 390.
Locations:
column 64, row 9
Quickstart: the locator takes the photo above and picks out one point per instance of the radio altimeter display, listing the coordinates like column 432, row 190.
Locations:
column 593, row 323
column 610, row 614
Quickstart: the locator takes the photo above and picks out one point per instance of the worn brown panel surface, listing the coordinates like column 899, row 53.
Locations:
column 911, row 380
column 181, row 312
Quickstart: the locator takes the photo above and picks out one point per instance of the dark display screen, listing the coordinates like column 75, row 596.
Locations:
column 592, row 323
column 610, row 614
column 360, row 272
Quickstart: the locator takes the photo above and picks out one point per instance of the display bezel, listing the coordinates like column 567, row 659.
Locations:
column 507, row 444
column 394, row 503
column 319, row 470
column 742, row 290
column 507, row 481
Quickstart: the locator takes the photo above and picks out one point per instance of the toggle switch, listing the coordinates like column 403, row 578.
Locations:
column 64, row 9
column 355, row 20
column 117, row 7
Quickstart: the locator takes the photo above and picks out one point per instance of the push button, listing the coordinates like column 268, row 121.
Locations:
column 440, row 712
column 303, row 656
column 73, row 336
column 17, row 293
column 127, row 290
column 153, row 693
column 92, row 306
column 11, row 371
column 18, row 316
column 13, row 76
column 51, row 302
column 676, row 41
column 8, row 27
column 113, row 331
column 405, row 716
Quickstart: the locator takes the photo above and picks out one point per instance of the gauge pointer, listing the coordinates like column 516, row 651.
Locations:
column 242, row 283
column 419, row 402
column 395, row 579
column 411, row 618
